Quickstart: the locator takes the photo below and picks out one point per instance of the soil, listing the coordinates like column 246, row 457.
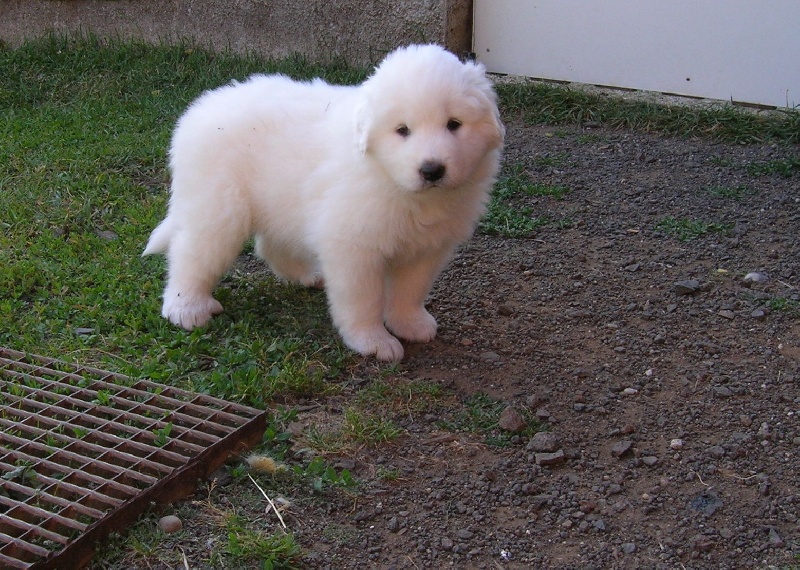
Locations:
column 666, row 373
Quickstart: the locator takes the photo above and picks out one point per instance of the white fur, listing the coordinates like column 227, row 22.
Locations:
column 332, row 192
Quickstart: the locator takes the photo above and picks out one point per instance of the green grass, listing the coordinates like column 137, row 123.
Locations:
column 559, row 105
column 507, row 216
column 480, row 414
column 84, row 127
column 731, row 192
column 686, row 229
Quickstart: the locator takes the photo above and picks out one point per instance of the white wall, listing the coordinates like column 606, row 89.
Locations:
column 741, row 50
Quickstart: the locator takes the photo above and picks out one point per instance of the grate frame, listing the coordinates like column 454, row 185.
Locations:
column 84, row 452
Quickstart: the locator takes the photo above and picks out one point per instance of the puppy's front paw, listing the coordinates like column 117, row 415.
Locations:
column 189, row 313
column 377, row 341
column 416, row 326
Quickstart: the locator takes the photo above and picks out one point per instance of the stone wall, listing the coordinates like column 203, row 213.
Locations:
column 360, row 31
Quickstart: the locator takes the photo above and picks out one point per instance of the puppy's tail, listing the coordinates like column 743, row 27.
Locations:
column 160, row 238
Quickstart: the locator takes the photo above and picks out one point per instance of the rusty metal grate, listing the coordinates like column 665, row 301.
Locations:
column 83, row 452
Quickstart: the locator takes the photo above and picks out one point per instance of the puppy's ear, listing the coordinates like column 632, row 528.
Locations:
column 483, row 86
column 363, row 124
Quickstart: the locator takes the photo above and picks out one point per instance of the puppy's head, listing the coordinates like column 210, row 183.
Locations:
column 429, row 120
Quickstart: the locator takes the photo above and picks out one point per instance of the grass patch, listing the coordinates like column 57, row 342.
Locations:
column 784, row 305
column 480, row 414
column 541, row 103
column 506, row 215
column 687, row 230
column 731, row 192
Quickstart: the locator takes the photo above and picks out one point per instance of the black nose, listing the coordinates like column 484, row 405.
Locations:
column 431, row 170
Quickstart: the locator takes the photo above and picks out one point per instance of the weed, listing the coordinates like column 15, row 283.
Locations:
column 273, row 551
column 731, row 192
column 481, row 414
column 558, row 105
column 365, row 429
column 687, row 230
column 322, row 475
column 162, row 435
column 782, row 304
column 505, row 216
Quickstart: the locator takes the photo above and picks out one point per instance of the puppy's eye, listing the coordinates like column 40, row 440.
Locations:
column 453, row 125
column 403, row 131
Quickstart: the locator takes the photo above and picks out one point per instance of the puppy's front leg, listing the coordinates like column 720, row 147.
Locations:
column 355, row 289
column 408, row 285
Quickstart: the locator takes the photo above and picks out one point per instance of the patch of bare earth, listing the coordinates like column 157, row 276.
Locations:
column 677, row 410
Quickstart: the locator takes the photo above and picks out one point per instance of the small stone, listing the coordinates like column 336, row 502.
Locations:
column 649, row 460
column 465, row 534
column 758, row 314
column 706, row 502
column 83, row 331
column 599, row 525
column 632, row 267
column 550, row 458
column 170, row 524
column 716, row 451
column 775, row 540
column 446, row 544
column 512, row 420
column 628, row 548
column 393, row 525
column 745, row 420
column 726, row 314
column 490, row 357
column 621, row 448
column 755, row 277
column 107, row 235
column 544, row 441
column 722, row 392
column 686, row 287
column 676, row 444
column 630, row 391
column 505, row 311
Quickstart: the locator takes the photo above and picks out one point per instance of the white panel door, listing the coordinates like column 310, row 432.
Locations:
column 741, row 50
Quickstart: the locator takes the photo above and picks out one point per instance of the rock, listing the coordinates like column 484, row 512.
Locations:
column 512, row 420
column 649, row 460
column 632, row 267
column 758, row 314
column 505, row 311
column 676, row 444
column 621, row 448
column 544, row 441
column 755, row 277
column 686, row 287
column 465, row 534
column 628, row 547
column 775, row 540
column 716, row 451
column 726, row 314
column 630, row 391
column 706, row 502
column 550, row 458
column 722, row 392
column 170, row 524
column 492, row 357
column 446, row 544
column 393, row 525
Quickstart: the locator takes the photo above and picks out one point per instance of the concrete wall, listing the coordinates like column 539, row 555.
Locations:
column 360, row 31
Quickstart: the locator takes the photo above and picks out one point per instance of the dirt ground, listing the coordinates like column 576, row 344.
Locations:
column 666, row 373
column 674, row 408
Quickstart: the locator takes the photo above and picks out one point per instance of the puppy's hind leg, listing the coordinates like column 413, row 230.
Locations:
column 198, row 257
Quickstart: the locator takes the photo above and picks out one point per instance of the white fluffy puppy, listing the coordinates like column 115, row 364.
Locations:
column 365, row 189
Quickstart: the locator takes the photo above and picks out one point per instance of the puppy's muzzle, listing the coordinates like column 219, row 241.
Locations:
column 432, row 171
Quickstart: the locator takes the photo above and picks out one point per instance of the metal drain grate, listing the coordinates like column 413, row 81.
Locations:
column 83, row 452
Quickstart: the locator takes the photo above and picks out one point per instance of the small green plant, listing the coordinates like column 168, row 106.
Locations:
column 103, row 397
column 366, row 429
column 783, row 167
column 687, row 230
column 322, row 475
column 782, row 304
column 730, row 192
column 481, row 414
column 162, row 435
